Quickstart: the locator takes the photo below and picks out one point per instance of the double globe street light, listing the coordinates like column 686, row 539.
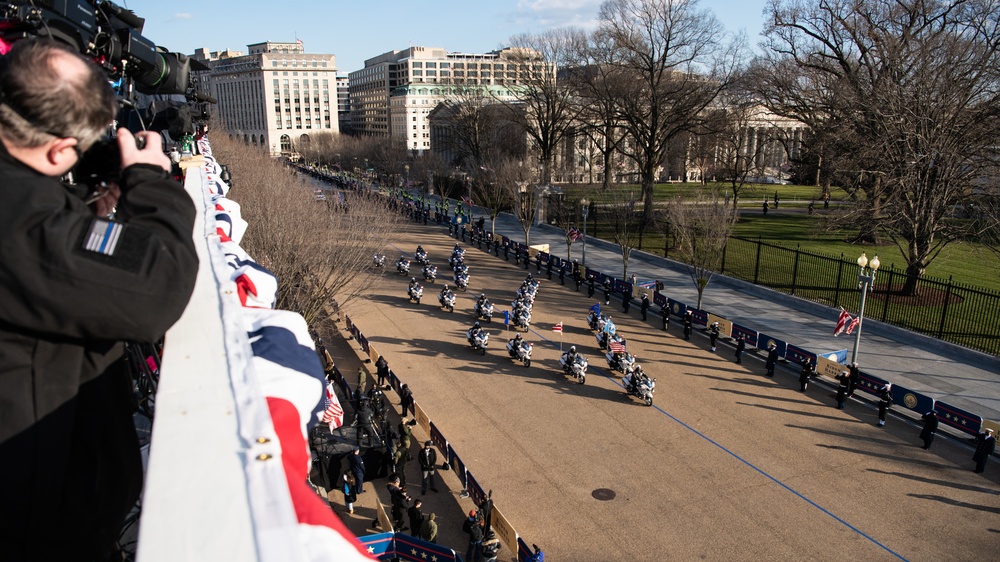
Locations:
column 584, row 210
column 866, row 279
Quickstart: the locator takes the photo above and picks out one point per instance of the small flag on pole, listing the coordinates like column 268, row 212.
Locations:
column 596, row 309
column 506, row 317
column 333, row 415
column 616, row 347
column 853, row 325
column 557, row 327
column 841, row 323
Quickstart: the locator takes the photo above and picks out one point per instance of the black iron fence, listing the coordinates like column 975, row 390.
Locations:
column 953, row 312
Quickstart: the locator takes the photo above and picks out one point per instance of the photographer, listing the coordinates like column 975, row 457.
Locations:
column 73, row 285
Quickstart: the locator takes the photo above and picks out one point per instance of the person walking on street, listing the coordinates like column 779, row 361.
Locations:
column 429, row 529
column 350, row 488
column 644, row 306
column 772, row 359
column 884, row 402
column 665, row 316
column 362, row 381
column 428, row 464
column 357, row 466
column 475, row 532
column 627, row 298
column 382, row 371
column 399, row 460
column 607, row 291
column 590, row 287
column 808, row 371
column 985, row 445
column 741, row 346
column 688, row 324
column 713, row 334
column 844, row 383
column 416, row 518
column 930, row 428
column 406, row 400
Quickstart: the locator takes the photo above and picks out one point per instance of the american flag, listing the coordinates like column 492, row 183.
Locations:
column 854, row 324
column 467, row 201
column 574, row 234
column 616, row 347
column 333, row 415
column 557, row 327
column 842, row 323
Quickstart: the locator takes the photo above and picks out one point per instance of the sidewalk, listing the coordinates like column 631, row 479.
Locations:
column 961, row 377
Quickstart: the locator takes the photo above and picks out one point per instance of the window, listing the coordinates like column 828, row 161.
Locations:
column 431, row 65
column 431, row 73
column 459, row 65
column 418, row 72
column 444, row 65
column 417, row 64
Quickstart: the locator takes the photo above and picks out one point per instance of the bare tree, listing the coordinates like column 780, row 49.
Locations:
column 702, row 225
column 675, row 63
column 565, row 213
column 316, row 252
column 521, row 185
column 620, row 206
column 916, row 87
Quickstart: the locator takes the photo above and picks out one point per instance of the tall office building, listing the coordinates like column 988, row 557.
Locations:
column 276, row 95
column 395, row 91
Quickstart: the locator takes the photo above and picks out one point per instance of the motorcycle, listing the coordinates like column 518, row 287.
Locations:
column 623, row 361
column 403, row 266
column 430, row 273
column 462, row 281
column 479, row 341
column 421, row 257
column 415, row 293
column 521, row 352
column 577, row 368
column 639, row 384
column 484, row 311
column 378, row 260
column 447, row 300
column 594, row 320
column 522, row 319
column 604, row 338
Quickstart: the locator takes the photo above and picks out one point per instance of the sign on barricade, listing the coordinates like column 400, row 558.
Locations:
column 677, row 308
column 840, row 356
column 764, row 341
column 725, row 326
column 372, row 354
column 439, row 441
column 912, row 400
column 384, row 522
column 870, row 383
column 828, row 368
column 421, row 417
column 621, row 286
column 958, row 418
column 799, row 355
column 749, row 335
column 524, row 552
column 699, row 317
column 457, row 465
column 408, row 547
column 502, row 527
column 591, row 274
column 394, row 381
column 380, row 544
column 660, row 300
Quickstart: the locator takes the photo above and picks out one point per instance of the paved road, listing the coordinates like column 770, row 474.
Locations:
column 727, row 465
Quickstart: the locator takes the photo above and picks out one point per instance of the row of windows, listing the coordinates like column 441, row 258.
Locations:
column 295, row 63
column 463, row 65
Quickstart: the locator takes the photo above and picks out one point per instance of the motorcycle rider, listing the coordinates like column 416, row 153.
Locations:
column 571, row 356
column 475, row 332
column 633, row 379
column 445, row 292
column 412, row 286
column 516, row 343
column 420, row 250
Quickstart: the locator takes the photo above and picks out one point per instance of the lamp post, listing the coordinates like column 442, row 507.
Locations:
column 866, row 278
column 584, row 210
column 406, row 171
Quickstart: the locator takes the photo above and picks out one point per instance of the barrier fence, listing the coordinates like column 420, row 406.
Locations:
column 953, row 312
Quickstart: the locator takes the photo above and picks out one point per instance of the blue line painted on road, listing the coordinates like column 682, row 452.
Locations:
column 759, row 470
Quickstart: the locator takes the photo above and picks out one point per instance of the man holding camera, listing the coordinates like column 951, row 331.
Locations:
column 74, row 284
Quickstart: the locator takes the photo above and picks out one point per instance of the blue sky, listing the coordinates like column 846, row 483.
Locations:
column 355, row 30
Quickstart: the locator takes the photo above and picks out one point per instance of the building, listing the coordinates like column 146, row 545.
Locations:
column 395, row 91
column 344, row 105
column 274, row 96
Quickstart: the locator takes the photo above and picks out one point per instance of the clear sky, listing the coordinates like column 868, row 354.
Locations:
column 355, row 30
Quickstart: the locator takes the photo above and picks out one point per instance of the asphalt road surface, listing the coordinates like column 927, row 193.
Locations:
column 726, row 465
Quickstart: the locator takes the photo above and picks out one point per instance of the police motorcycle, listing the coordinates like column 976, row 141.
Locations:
column 484, row 308
column 622, row 361
column 530, row 285
column 447, row 299
column 604, row 339
column 462, row 277
column 420, row 256
column 522, row 319
column 403, row 266
column 520, row 350
column 604, row 323
column 430, row 273
column 414, row 291
column 457, row 257
column 378, row 261
column 574, row 364
column 478, row 338
column 638, row 384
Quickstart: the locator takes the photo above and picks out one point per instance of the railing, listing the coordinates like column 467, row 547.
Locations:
column 953, row 312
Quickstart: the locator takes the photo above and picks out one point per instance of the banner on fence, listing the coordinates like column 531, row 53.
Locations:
column 421, row 417
column 660, row 300
column 439, row 441
column 958, row 418
column 764, row 341
column 912, row 400
column 620, row 286
column 725, row 326
column 870, row 383
column 502, row 527
column 379, row 544
column 524, row 552
column 372, row 354
column 591, row 274
column 472, row 486
column 799, row 355
column 749, row 335
column 677, row 308
column 394, row 381
column 411, row 548
column 699, row 317
column 456, row 464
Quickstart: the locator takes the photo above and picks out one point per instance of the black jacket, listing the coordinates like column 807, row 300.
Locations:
column 70, row 295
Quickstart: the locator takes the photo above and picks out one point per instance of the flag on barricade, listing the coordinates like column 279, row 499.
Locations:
column 616, row 347
column 557, row 327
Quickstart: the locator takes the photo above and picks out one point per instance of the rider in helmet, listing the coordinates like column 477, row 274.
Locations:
column 571, row 355
column 475, row 331
column 413, row 285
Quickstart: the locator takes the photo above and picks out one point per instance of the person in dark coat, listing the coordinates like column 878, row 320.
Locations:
column 428, row 465
column 349, row 486
column 590, row 286
column 506, row 251
column 985, row 445
column 357, row 467
column 665, row 316
column 930, row 428
column 475, row 531
column 382, row 371
column 844, row 383
column 688, row 324
column 884, row 402
column 808, row 371
column 713, row 334
column 398, row 499
column 607, row 291
column 643, row 306
column 548, row 267
column 406, row 400
column 741, row 346
column 627, row 298
column 577, row 275
column 416, row 517
column 772, row 359
column 854, row 378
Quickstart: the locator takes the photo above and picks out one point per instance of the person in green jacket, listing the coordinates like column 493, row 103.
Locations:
column 429, row 530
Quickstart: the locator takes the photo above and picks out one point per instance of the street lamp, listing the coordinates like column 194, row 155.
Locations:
column 585, row 210
column 866, row 279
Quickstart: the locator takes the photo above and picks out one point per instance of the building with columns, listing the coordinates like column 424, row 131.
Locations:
column 274, row 96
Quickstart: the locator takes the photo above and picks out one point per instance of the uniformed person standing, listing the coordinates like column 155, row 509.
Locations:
column 644, row 306
column 74, row 284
